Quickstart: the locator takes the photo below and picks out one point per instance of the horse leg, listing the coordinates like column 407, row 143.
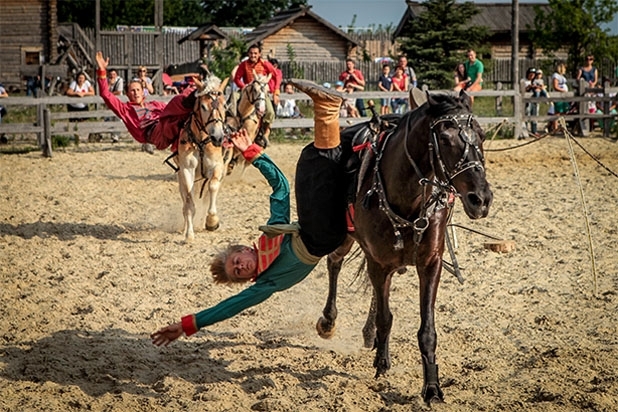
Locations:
column 369, row 329
column 381, row 280
column 326, row 324
column 214, row 183
column 187, row 163
column 429, row 279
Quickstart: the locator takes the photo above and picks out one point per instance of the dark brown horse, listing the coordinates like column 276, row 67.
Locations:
column 407, row 185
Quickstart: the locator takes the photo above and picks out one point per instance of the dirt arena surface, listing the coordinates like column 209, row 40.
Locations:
column 93, row 261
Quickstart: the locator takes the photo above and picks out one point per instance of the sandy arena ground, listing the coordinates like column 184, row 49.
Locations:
column 93, row 261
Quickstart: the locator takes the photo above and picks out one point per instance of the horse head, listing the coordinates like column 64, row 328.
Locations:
column 210, row 108
column 256, row 93
column 456, row 151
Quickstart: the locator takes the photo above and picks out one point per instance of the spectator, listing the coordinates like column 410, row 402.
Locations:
column 116, row 87
column 474, row 69
column 461, row 78
column 244, row 76
column 386, row 85
column 142, row 76
column 532, row 109
column 3, row 94
column 408, row 71
column 79, row 88
column 275, row 81
column 354, row 77
column 147, row 121
column 588, row 72
column 287, row 107
column 400, row 84
column 559, row 84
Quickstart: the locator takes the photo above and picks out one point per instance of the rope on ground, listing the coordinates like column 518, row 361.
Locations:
column 570, row 139
column 595, row 159
column 519, row 145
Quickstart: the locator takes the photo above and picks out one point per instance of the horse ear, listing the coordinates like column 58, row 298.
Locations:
column 430, row 100
column 223, row 84
column 465, row 99
column 198, row 83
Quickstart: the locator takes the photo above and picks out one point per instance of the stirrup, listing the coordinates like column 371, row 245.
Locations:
column 170, row 164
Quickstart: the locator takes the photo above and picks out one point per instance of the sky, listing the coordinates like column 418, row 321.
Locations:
column 372, row 13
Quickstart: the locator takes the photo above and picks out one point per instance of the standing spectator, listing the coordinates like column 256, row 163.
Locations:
column 142, row 75
column 3, row 94
column 559, row 84
column 385, row 84
column 287, row 107
column 354, row 77
column 461, row 78
column 474, row 69
column 244, row 76
column 408, row 71
column 399, row 84
column 588, row 72
column 79, row 88
column 532, row 109
column 116, row 87
column 275, row 81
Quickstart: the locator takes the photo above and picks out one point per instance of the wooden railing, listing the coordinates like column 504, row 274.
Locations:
column 49, row 123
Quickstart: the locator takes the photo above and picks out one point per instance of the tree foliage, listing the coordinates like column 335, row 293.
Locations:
column 223, row 13
column 438, row 39
column 575, row 24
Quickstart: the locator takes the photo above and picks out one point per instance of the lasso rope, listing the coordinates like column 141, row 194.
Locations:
column 569, row 138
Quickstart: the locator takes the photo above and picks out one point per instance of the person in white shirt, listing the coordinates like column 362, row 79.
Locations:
column 287, row 107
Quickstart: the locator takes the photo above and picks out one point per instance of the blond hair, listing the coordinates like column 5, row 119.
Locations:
column 217, row 266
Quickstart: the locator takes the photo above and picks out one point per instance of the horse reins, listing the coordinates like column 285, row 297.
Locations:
column 261, row 96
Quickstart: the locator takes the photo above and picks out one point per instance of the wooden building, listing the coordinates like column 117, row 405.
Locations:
column 28, row 40
column 208, row 36
column 497, row 17
column 310, row 37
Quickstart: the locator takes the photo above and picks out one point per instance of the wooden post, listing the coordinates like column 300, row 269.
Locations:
column 606, row 105
column 158, row 20
column 47, row 142
column 520, row 131
column 97, row 41
column 499, row 100
column 584, row 124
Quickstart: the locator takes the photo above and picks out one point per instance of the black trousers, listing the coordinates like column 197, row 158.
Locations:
column 321, row 192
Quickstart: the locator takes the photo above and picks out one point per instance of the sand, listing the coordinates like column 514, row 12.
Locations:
column 93, row 261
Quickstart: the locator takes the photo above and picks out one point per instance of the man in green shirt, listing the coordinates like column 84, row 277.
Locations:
column 286, row 253
column 474, row 68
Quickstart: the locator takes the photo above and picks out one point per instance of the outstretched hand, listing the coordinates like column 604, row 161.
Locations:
column 101, row 61
column 167, row 335
column 241, row 139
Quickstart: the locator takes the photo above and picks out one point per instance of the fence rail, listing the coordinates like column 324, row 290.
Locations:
column 50, row 123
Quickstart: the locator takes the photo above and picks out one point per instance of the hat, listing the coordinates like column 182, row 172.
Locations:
column 339, row 83
column 326, row 84
column 530, row 70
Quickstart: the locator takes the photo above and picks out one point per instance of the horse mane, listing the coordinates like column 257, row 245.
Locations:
column 210, row 84
column 437, row 105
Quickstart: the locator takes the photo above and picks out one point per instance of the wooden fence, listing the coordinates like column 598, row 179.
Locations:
column 49, row 123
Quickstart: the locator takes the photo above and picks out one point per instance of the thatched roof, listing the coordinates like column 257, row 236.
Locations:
column 210, row 32
column 495, row 16
column 286, row 18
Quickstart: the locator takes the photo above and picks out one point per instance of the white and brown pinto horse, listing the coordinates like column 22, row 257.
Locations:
column 201, row 153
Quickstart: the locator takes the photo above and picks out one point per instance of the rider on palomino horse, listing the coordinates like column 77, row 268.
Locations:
column 286, row 253
column 154, row 122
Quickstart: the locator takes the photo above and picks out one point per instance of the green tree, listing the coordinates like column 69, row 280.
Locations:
column 223, row 60
column 579, row 22
column 245, row 13
column 438, row 38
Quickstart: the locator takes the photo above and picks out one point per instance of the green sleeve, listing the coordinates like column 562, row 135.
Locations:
column 280, row 197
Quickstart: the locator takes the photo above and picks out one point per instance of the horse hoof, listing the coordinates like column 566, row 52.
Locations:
column 432, row 394
column 323, row 331
column 213, row 227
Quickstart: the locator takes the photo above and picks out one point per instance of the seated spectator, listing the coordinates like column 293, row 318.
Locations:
column 79, row 88
column 461, row 78
column 287, row 107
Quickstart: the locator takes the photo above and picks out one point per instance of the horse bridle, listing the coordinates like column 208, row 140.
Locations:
column 462, row 165
column 261, row 96
column 199, row 121
column 441, row 192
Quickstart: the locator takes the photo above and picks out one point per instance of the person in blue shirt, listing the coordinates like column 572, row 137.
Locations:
column 286, row 252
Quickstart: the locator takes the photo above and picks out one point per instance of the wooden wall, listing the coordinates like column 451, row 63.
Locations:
column 27, row 25
column 310, row 40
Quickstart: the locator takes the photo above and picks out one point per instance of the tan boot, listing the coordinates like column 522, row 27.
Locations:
column 326, row 105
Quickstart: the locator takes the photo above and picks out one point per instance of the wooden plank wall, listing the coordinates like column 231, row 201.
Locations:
column 28, row 28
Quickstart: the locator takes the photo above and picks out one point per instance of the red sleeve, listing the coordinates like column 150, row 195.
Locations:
column 189, row 325
column 240, row 75
column 359, row 74
column 343, row 76
column 252, row 152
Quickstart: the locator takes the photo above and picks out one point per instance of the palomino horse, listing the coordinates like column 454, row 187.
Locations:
column 407, row 185
column 250, row 109
column 201, row 152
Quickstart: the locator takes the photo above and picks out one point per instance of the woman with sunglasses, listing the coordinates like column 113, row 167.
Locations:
column 142, row 75
column 588, row 72
column 154, row 122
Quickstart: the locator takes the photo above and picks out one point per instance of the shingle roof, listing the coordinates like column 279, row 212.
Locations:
column 287, row 17
column 207, row 32
column 495, row 16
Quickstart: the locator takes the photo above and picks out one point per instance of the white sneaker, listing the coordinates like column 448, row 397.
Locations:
column 148, row 148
